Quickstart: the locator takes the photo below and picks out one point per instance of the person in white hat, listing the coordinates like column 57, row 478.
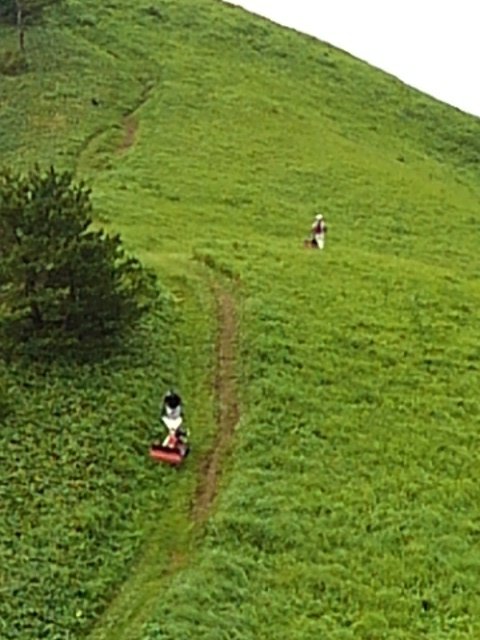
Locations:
column 319, row 229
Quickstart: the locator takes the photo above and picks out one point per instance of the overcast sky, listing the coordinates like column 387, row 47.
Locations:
column 433, row 45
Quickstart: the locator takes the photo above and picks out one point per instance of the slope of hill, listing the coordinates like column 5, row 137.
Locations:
column 349, row 507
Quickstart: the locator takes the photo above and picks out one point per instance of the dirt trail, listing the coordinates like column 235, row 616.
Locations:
column 130, row 126
column 133, row 606
column 130, row 120
column 226, row 404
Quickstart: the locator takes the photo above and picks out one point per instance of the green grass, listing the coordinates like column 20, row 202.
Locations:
column 76, row 485
column 349, row 508
column 169, row 540
column 352, row 499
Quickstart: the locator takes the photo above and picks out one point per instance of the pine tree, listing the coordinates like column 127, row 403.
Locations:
column 58, row 276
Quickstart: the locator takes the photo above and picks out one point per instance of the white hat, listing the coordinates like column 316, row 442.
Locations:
column 319, row 217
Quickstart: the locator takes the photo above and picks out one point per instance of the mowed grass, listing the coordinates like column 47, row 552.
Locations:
column 349, row 508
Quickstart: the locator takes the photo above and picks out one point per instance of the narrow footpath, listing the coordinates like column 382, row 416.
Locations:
column 226, row 404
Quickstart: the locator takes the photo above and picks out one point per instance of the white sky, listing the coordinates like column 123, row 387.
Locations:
column 432, row 45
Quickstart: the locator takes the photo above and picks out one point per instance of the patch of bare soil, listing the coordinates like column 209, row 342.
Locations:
column 130, row 126
column 226, row 403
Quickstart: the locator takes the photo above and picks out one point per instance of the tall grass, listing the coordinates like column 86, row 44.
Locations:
column 349, row 508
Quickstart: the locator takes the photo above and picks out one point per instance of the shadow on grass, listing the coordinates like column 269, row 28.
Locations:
column 19, row 344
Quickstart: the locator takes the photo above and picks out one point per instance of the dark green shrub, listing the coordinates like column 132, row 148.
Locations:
column 63, row 283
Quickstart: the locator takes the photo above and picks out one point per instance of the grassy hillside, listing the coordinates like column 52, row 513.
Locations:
column 349, row 507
